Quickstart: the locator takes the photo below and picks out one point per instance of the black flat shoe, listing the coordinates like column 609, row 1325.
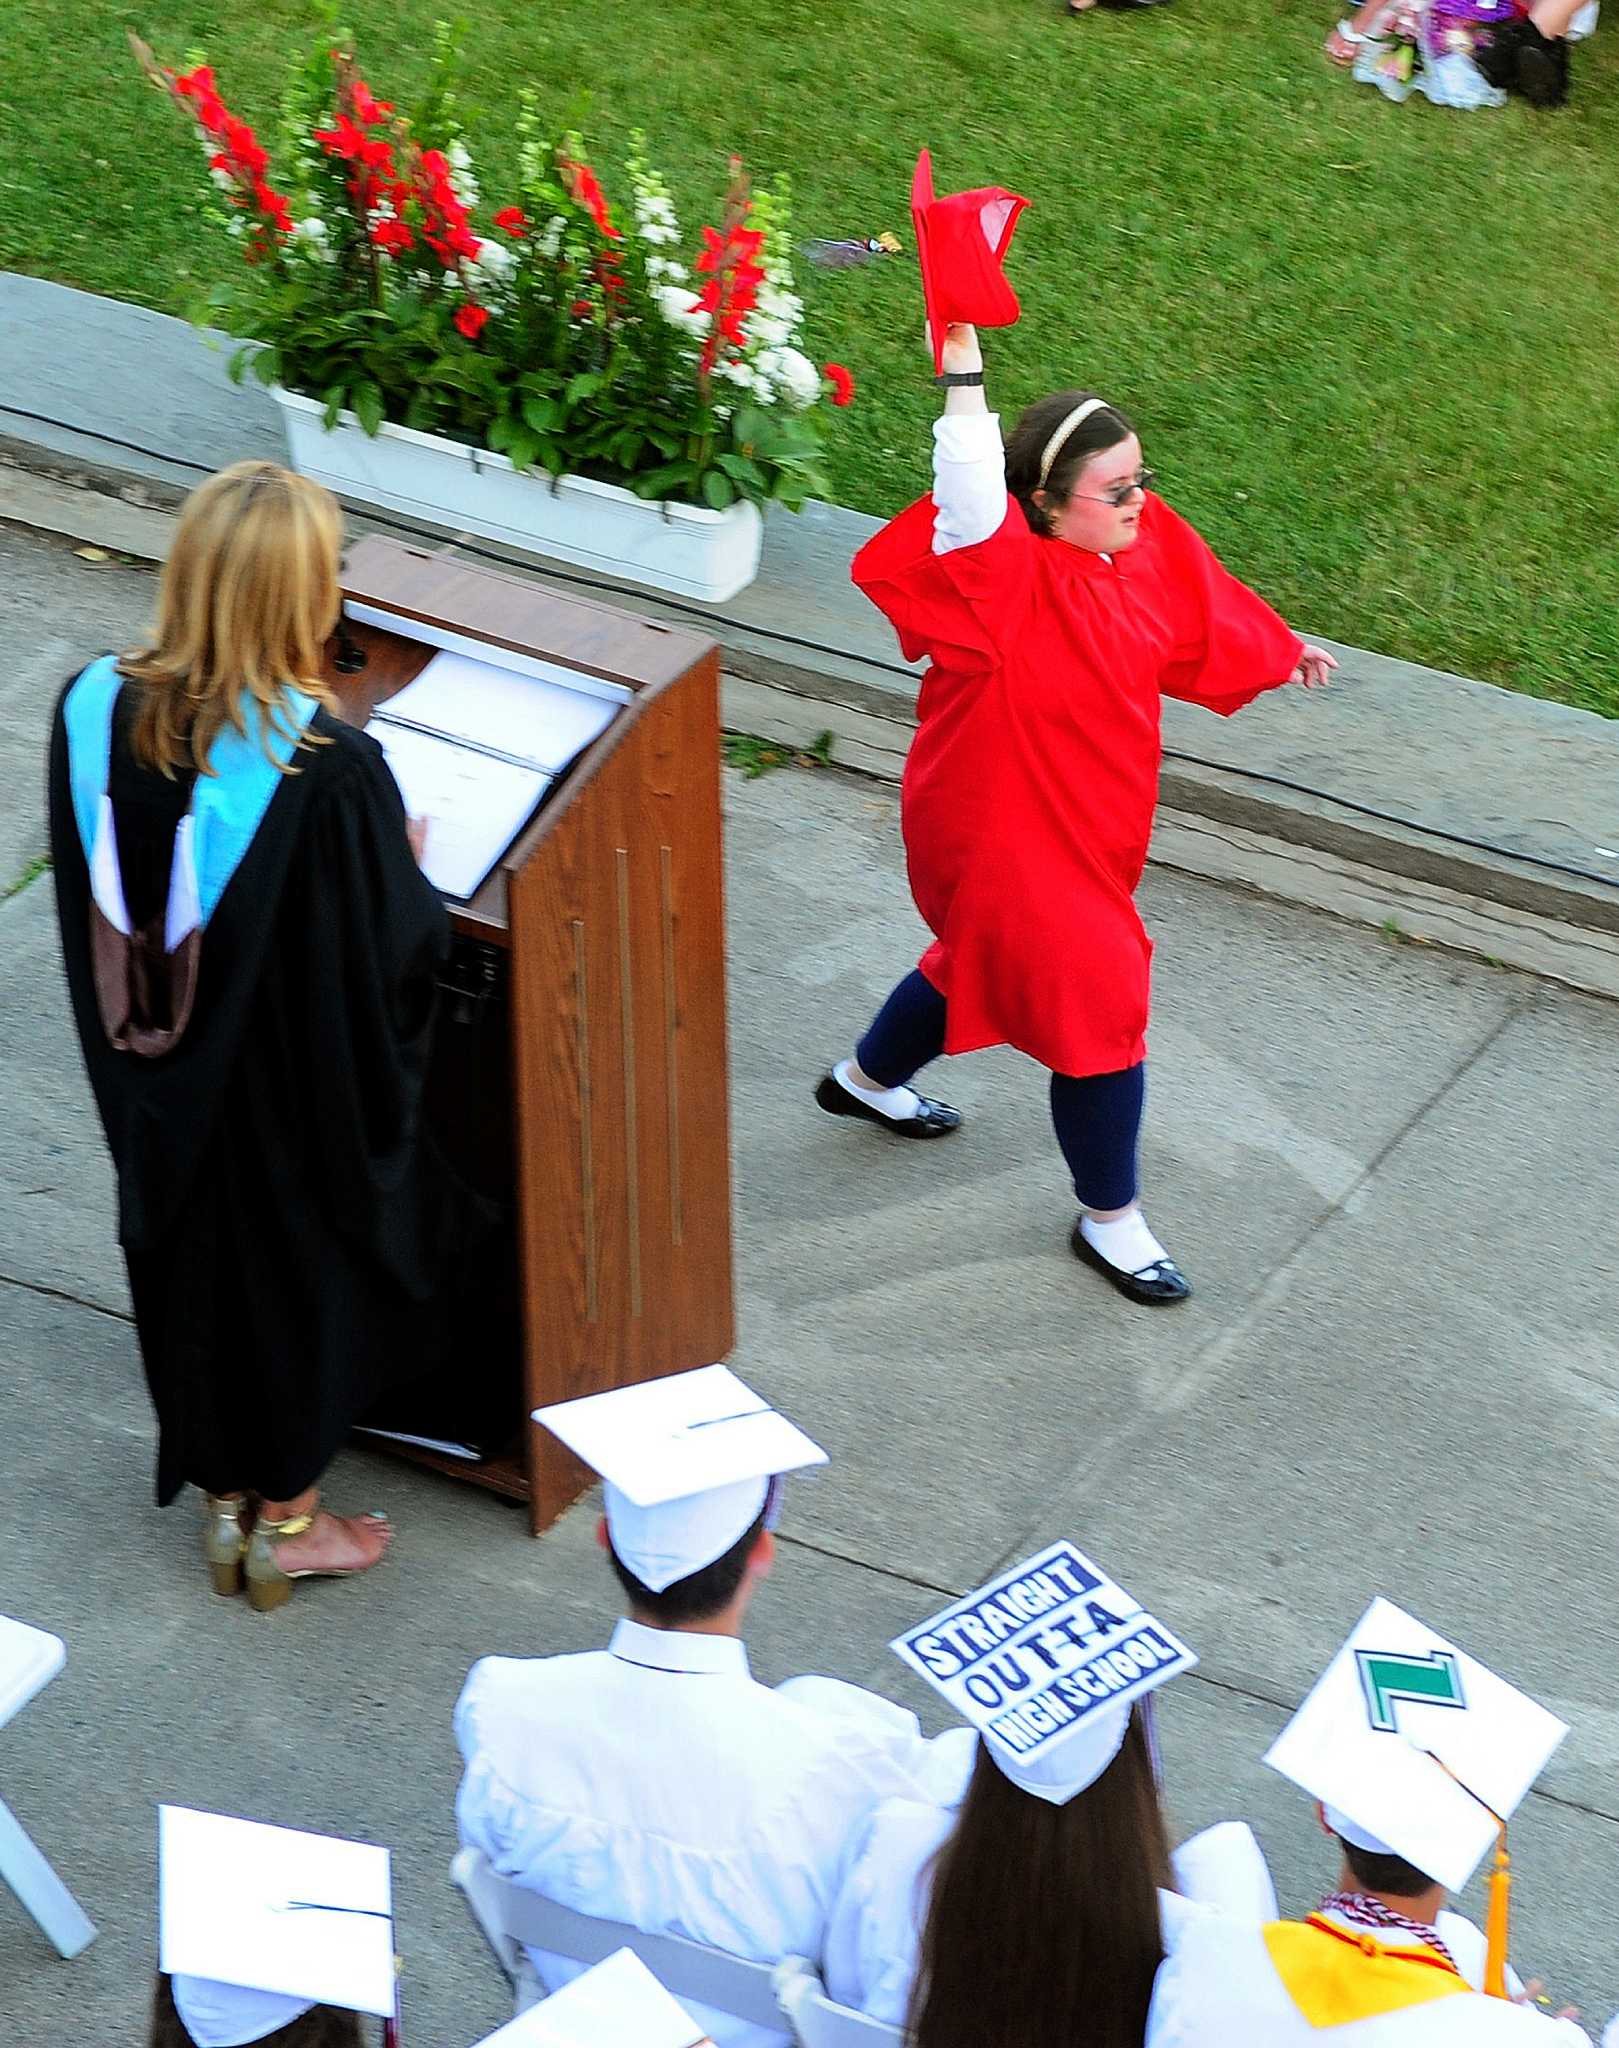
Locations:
column 932, row 1119
column 1129, row 6
column 1156, row 1285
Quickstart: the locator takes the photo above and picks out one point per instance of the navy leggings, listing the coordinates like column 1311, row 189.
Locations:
column 1097, row 1116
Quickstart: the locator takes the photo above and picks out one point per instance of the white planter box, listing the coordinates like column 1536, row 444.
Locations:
column 688, row 549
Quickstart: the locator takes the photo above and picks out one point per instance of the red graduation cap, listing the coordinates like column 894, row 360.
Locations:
column 961, row 242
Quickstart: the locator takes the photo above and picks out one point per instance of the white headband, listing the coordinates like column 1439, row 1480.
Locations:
column 1054, row 445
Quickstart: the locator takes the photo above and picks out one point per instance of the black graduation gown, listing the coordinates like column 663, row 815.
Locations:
column 289, row 1230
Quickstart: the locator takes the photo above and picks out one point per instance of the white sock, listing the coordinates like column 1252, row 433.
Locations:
column 1126, row 1243
column 899, row 1103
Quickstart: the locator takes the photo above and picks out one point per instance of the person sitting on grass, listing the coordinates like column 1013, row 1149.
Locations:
column 1463, row 53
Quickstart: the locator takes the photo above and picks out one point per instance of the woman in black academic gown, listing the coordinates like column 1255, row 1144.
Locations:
column 251, row 951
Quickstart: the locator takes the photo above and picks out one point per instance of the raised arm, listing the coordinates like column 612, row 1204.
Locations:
column 969, row 464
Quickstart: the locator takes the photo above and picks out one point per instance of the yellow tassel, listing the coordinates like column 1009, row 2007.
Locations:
column 1495, row 1924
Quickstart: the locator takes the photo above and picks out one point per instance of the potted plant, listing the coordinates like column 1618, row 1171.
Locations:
column 550, row 373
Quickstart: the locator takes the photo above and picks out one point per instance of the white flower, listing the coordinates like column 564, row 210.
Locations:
column 495, row 261
column 309, row 235
column 677, row 303
column 769, row 334
column 222, row 180
column 747, row 378
column 549, row 240
column 660, row 267
column 792, row 372
column 458, row 155
column 776, row 304
column 658, row 233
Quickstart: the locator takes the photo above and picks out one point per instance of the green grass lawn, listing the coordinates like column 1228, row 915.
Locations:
column 1373, row 350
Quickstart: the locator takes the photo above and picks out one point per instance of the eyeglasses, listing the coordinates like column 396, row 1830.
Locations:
column 1121, row 494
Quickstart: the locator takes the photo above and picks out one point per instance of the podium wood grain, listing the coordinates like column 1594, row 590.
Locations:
column 612, row 905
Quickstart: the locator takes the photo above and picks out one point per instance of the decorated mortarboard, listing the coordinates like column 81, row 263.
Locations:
column 256, row 1924
column 687, row 1461
column 1046, row 1662
column 961, row 244
column 1416, row 1750
column 618, row 2004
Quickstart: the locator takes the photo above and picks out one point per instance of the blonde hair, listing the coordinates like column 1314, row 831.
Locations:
column 247, row 599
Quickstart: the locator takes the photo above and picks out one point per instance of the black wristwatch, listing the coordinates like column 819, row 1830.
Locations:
column 953, row 378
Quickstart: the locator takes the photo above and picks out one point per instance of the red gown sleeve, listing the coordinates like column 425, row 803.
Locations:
column 958, row 608
column 1229, row 644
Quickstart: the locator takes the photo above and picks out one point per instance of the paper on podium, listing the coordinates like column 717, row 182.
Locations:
column 475, row 804
column 527, row 718
column 473, row 748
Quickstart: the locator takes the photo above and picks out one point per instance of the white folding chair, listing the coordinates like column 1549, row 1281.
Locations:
column 819, row 2023
column 29, row 1660
column 514, row 1919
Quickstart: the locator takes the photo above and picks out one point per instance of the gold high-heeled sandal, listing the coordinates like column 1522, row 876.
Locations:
column 269, row 1585
column 224, row 1540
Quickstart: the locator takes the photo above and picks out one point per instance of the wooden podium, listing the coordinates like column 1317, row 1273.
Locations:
column 600, row 935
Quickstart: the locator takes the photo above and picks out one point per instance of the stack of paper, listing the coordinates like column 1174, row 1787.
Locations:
column 474, row 747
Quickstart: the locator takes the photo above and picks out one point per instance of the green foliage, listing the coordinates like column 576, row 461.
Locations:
column 754, row 755
column 576, row 365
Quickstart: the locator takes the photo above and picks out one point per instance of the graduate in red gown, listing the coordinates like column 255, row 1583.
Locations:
column 1057, row 601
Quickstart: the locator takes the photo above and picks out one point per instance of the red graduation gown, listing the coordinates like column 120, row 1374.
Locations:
column 1028, row 795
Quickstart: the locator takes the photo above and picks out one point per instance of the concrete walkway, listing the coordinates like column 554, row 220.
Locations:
column 1391, row 1173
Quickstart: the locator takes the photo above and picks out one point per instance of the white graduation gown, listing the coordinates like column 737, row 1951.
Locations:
column 1218, row 1986
column 658, row 1783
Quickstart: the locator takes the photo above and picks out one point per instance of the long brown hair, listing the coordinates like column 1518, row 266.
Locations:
column 248, row 596
column 1042, row 1928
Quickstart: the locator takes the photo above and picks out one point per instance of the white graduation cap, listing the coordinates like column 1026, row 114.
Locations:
column 1046, row 1662
column 618, row 2004
column 256, row 1924
column 1414, row 1748
column 687, row 1461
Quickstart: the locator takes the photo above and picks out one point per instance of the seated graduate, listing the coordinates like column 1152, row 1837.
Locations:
column 1417, row 1756
column 246, row 1950
column 657, row 1782
column 1037, row 1913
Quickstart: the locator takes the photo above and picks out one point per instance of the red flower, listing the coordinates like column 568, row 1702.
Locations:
column 367, row 108
column 471, row 320
column 241, row 158
column 512, row 220
column 841, row 382
column 586, row 190
column 393, row 237
column 730, row 263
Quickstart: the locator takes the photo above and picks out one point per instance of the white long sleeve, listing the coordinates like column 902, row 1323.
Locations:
column 969, row 479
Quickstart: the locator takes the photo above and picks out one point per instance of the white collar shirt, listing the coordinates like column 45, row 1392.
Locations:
column 658, row 1783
